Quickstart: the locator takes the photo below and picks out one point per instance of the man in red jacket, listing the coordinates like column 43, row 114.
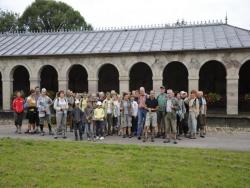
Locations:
column 18, row 108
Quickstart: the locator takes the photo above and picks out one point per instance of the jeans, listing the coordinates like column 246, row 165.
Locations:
column 61, row 118
column 89, row 130
column 78, row 128
column 99, row 128
column 141, row 120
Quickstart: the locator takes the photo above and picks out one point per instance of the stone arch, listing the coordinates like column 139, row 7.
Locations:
column 212, row 79
column 140, row 74
column 244, row 87
column 175, row 76
column 21, row 79
column 49, row 78
column 77, row 78
column 108, row 78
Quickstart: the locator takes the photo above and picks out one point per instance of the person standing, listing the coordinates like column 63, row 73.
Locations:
column 161, row 98
column 202, row 113
column 31, row 111
column 142, row 112
column 180, row 115
column 170, row 117
column 77, row 117
column 99, row 116
column 108, row 106
column 134, row 105
column 193, row 104
column 151, row 117
column 61, row 106
column 116, row 114
column 37, row 121
column 43, row 105
column 126, row 111
column 18, row 108
column 88, row 117
column 71, row 100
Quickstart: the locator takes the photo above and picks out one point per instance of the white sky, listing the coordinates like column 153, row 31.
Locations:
column 117, row 13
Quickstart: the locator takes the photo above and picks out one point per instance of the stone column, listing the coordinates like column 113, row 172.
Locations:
column 62, row 84
column 7, row 87
column 124, row 83
column 232, row 95
column 157, row 83
column 92, row 85
column 193, row 83
column 34, row 82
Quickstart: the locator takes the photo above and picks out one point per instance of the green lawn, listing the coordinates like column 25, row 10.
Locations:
column 29, row 163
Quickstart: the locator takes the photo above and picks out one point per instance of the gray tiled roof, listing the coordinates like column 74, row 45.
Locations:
column 166, row 39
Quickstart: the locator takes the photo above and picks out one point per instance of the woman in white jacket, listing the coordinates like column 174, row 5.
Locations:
column 61, row 106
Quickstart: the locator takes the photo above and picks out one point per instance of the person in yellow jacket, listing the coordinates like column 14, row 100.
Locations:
column 99, row 115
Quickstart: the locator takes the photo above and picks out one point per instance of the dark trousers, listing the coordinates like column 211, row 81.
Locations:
column 99, row 128
column 109, row 123
column 78, row 129
column 18, row 119
column 134, row 124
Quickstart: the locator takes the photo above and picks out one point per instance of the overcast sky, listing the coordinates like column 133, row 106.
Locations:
column 117, row 13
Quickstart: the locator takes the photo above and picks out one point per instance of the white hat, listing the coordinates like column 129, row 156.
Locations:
column 99, row 103
column 77, row 102
column 44, row 90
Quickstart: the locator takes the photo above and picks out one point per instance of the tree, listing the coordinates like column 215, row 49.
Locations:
column 8, row 21
column 51, row 15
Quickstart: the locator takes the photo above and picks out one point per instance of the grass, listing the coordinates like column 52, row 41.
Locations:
column 29, row 163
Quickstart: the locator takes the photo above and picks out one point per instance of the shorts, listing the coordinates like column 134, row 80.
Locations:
column 126, row 121
column 46, row 118
column 151, row 119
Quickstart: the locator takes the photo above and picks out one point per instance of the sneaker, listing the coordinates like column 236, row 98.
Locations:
column 130, row 136
column 97, row 138
column 166, row 141
column 139, row 138
column 102, row 138
column 51, row 133
column 124, row 136
column 42, row 134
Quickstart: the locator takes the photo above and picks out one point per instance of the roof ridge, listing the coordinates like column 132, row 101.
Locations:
column 125, row 28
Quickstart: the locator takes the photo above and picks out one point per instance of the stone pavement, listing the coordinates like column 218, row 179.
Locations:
column 239, row 141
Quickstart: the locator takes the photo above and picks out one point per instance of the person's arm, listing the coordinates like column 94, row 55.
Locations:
column 14, row 104
column 56, row 107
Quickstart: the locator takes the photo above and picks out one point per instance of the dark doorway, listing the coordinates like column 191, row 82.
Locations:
column 175, row 77
column 140, row 76
column 244, row 87
column 78, row 79
column 108, row 78
column 49, row 79
column 21, row 80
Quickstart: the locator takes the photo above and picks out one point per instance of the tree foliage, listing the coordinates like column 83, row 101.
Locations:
column 8, row 21
column 51, row 15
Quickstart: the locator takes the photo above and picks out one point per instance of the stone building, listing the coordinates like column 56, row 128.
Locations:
column 214, row 57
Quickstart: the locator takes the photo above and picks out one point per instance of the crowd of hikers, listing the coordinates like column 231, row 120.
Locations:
column 168, row 115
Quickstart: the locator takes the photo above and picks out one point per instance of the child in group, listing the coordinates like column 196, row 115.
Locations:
column 99, row 115
column 88, row 116
column 18, row 107
column 77, row 116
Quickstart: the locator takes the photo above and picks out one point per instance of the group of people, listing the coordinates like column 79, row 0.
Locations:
column 168, row 115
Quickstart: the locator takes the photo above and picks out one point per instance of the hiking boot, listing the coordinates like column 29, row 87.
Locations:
column 166, row 141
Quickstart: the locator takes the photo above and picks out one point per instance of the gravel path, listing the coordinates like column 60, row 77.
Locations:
column 239, row 141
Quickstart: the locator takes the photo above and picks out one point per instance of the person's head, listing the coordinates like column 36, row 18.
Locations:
column 126, row 96
column 132, row 98
column 142, row 90
column 170, row 93
column 77, row 102
column 152, row 94
column 85, row 95
column 37, row 90
column 44, row 92
column 162, row 89
column 61, row 94
column 32, row 92
column 18, row 94
column 99, row 104
column 199, row 94
column 108, row 95
column 178, row 96
column 193, row 94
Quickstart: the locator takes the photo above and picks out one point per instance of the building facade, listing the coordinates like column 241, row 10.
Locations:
column 210, row 57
